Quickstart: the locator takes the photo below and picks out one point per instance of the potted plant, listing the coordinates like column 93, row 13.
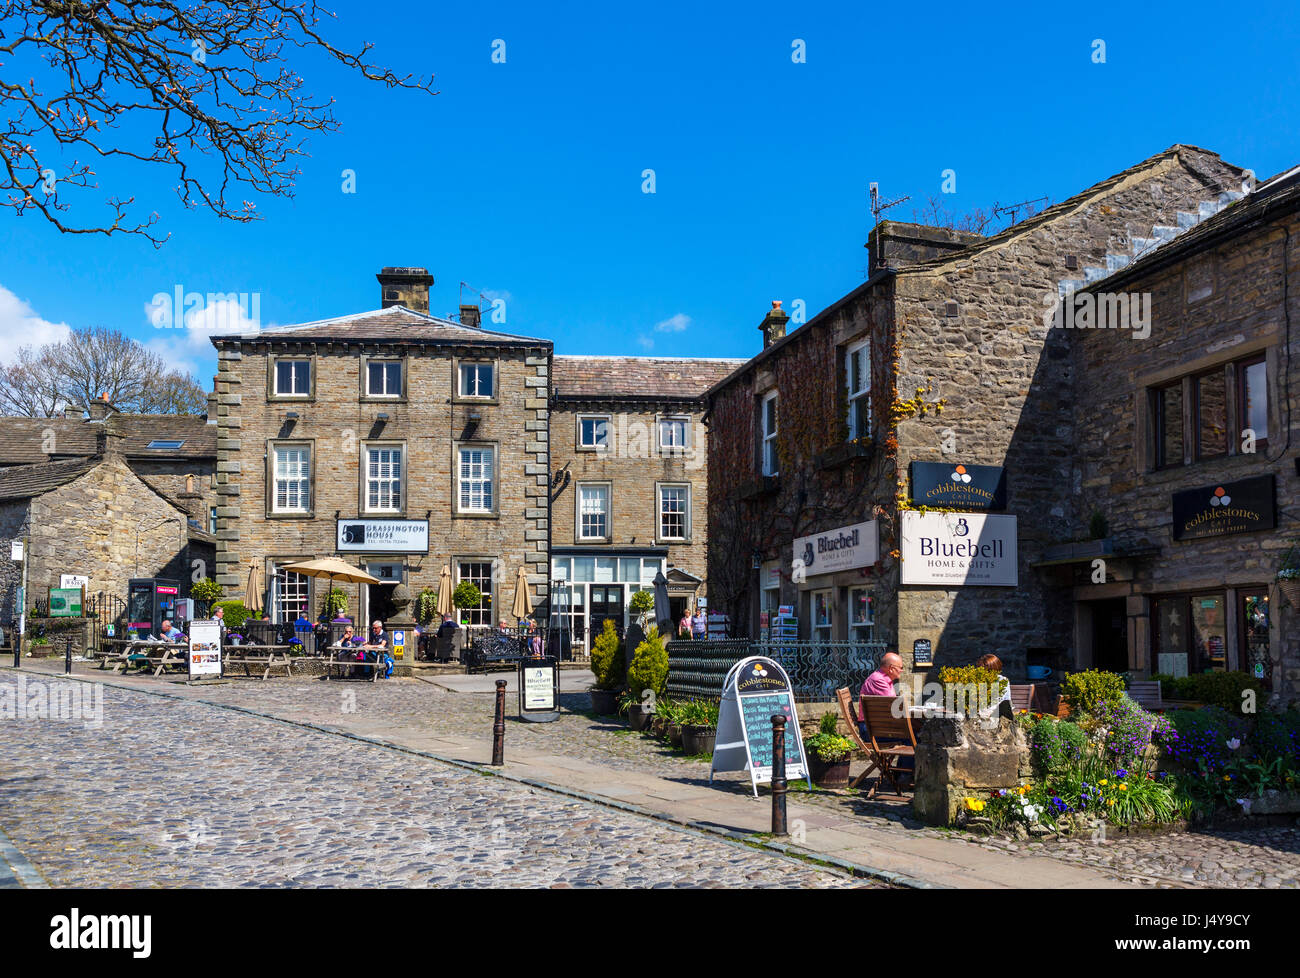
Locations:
column 205, row 592
column 641, row 605
column 607, row 666
column 699, row 726
column 336, row 603
column 829, row 755
column 647, row 672
column 1288, row 578
column 466, row 595
column 637, row 716
column 664, row 719
column 426, row 606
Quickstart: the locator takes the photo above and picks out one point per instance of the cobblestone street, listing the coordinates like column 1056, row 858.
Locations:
column 169, row 793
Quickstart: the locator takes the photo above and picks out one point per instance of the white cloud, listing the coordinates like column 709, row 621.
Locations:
column 205, row 315
column 674, row 324
column 646, row 342
column 20, row 326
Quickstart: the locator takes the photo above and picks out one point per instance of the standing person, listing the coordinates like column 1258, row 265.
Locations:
column 684, row 626
column 699, row 625
column 219, row 616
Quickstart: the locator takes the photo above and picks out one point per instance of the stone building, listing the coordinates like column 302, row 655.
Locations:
column 1187, row 452
column 394, row 438
column 630, row 486
column 936, row 383
column 105, row 502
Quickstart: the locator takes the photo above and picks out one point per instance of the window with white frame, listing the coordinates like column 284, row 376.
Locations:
column 673, row 433
column 674, row 512
column 478, row 573
column 476, row 380
column 593, row 431
column 292, row 378
column 384, row 378
column 292, row 591
column 770, row 464
column 475, row 486
column 857, row 373
column 291, row 478
column 384, row 478
column 593, row 512
column 822, row 616
column 860, row 614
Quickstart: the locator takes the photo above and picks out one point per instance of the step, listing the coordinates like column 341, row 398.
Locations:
column 1188, row 220
column 1115, row 262
column 1208, row 208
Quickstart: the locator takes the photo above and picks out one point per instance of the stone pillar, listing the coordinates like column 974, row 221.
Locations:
column 958, row 758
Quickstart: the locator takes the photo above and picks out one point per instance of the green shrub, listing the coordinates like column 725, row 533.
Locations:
column 1221, row 689
column 987, row 687
column 1088, row 689
column 829, row 748
column 466, row 595
column 426, row 606
column 1055, row 745
column 206, row 590
column 649, row 666
column 830, row 722
column 607, row 658
column 336, row 603
column 699, row 713
column 642, row 603
column 236, row 613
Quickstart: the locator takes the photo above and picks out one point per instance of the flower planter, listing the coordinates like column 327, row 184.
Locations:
column 604, row 702
column 656, row 726
column 1290, row 588
column 675, row 735
column 698, row 739
column 637, row 717
column 828, row 774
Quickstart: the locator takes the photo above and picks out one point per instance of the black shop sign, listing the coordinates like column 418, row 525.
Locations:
column 1228, row 507
column 957, row 485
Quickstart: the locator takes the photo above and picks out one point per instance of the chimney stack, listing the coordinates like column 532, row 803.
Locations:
column 403, row 286
column 773, row 324
column 100, row 408
column 471, row 316
column 108, row 439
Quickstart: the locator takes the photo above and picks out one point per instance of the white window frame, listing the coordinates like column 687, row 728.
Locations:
column 685, row 422
column 485, row 476
column 592, row 446
column 686, row 512
column 579, row 530
column 275, row 377
column 859, row 628
column 400, row 449
column 487, row 606
column 387, row 395
column 302, row 474
column 467, row 365
column 861, row 393
column 771, row 464
column 821, row 633
column 291, row 583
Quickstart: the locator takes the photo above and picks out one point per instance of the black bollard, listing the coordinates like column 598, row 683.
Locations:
column 17, row 639
column 778, row 775
column 499, row 727
column 67, row 658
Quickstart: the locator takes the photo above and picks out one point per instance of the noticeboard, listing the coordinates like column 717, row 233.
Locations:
column 205, row 648
column 539, row 690
column 756, row 689
column 67, row 602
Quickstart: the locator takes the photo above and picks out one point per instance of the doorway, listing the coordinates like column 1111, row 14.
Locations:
column 379, row 604
column 606, row 602
column 1110, row 635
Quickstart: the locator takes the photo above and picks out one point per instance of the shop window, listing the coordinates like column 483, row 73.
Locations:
column 1211, row 415
column 861, row 617
column 1168, row 403
column 1256, row 657
column 822, row 616
column 1252, row 393
column 1190, row 634
column 478, row 573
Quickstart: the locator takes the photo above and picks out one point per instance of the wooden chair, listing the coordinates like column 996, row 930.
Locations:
column 1022, row 698
column 1146, row 694
column 881, row 725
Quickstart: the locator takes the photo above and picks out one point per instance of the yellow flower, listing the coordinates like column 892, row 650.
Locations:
column 1123, row 787
column 974, row 806
column 1110, row 801
column 1102, row 782
column 1226, row 778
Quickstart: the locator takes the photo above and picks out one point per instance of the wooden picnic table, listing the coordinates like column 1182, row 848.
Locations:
column 347, row 656
column 267, row 656
column 147, row 655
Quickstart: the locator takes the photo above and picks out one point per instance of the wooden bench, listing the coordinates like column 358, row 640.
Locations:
column 265, row 657
column 342, row 658
column 881, row 725
column 156, row 656
column 1146, row 694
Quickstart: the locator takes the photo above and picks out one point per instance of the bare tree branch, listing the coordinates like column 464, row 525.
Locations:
column 202, row 89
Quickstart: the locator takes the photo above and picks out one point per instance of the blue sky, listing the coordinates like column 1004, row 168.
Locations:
column 525, row 178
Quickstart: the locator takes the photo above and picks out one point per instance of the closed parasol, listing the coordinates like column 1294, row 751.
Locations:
column 523, row 606
column 253, row 591
column 445, row 607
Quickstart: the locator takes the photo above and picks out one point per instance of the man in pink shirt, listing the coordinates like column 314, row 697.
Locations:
column 881, row 682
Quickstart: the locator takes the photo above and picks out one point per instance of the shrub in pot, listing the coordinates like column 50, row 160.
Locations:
column 638, row 718
column 647, row 672
column 699, row 720
column 607, row 665
column 829, row 755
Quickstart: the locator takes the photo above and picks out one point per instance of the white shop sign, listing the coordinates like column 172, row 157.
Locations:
column 836, row 550
column 383, row 536
column 959, row 549
column 74, row 580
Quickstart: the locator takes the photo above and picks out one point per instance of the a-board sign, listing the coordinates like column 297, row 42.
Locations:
column 922, row 653
column 205, row 648
column 756, row 689
column 539, row 690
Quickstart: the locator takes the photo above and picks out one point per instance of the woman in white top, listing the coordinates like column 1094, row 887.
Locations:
column 994, row 665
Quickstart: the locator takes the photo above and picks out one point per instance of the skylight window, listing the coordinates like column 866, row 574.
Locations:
column 163, row 443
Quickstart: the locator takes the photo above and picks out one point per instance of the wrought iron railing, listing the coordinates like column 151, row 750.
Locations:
column 816, row 669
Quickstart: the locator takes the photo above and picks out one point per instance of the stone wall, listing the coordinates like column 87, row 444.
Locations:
column 960, row 759
column 14, row 525
column 337, row 421
column 633, row 467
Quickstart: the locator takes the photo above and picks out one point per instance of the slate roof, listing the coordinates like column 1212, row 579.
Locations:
column 396, row 324
column 576, row 378
column 22, row 440
column 25, row 481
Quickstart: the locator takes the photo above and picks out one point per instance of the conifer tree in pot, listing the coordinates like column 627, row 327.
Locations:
column 607, row 665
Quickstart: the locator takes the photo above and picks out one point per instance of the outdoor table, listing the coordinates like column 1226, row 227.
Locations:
column 150, row 655
column 269, row 656
column 348, row 657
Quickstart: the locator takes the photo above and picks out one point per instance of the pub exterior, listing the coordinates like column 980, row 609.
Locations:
column 930, row 415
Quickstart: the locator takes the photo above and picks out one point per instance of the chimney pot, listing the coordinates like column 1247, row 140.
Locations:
column 402, row 285
column 773, row 324
column 471, row 316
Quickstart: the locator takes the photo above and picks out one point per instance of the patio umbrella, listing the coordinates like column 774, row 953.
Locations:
column 253, row 591
column 445, row 606
column 523, row 606
column 663, row 612
column 333, row 569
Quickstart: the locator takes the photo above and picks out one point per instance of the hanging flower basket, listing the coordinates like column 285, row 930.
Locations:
column 1290, row 587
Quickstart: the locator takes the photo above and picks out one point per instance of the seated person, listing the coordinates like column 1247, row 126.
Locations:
column 170, row 633
column 347, row 639
column 1001, row 702
column 378, row 638
column 879, row 683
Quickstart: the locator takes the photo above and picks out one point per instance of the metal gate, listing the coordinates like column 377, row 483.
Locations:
column 107, row 614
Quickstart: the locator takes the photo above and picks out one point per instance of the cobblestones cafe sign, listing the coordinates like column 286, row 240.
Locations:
column 1229, row 507
column 958, row 549
column 959, row 486
column 837, row 550
column 755, row 690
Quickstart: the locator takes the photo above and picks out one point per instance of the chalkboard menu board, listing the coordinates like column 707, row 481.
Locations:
column 757, row 689
column 756, row 712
